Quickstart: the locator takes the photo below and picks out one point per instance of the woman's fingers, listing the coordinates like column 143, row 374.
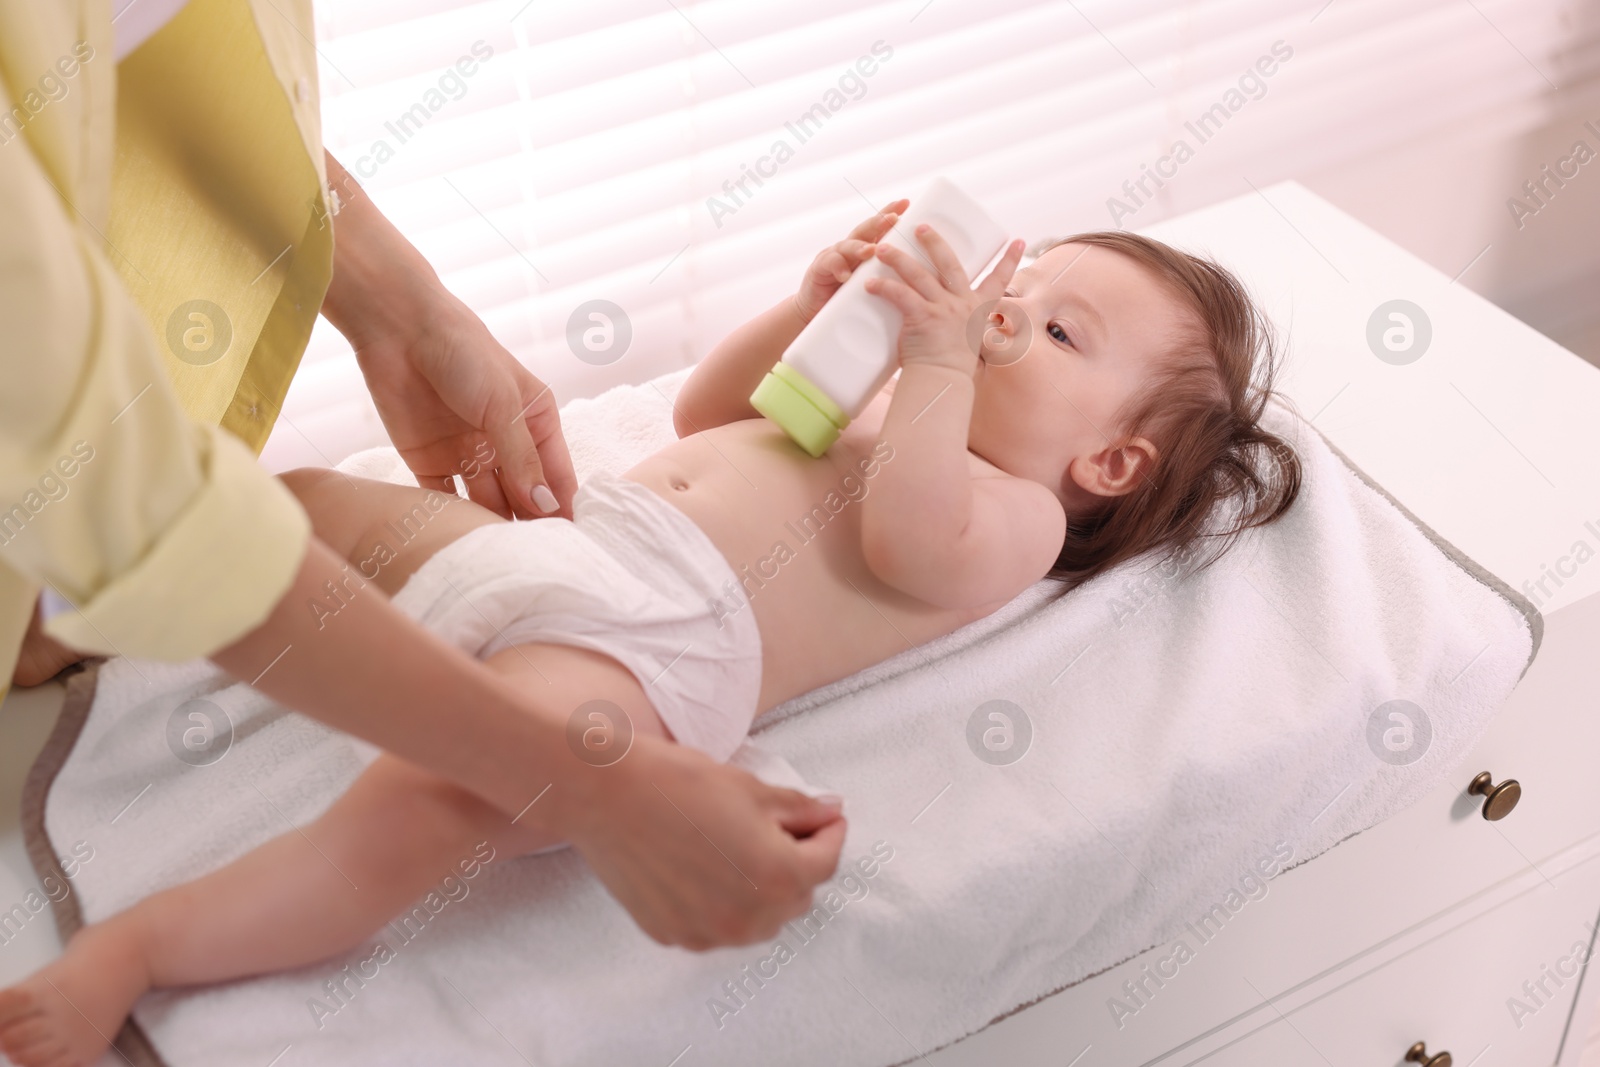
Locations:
column 545, row 426
column 515, row 472
column 539, row 472
column 483, row 487
column 442, row 483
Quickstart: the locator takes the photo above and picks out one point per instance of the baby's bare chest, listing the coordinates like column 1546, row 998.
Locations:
column 789, row 527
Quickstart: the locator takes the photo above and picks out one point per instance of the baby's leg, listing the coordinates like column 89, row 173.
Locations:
column 299, row 898
column 41, row 656
column 387, row 531
column 353, row 516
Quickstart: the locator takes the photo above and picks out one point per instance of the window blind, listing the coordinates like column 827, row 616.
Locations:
column 684, row 161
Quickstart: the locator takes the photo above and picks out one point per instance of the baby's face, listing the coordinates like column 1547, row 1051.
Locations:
column 1079, row 331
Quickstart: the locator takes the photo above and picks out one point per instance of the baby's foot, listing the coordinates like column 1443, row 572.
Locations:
column 67, row 1014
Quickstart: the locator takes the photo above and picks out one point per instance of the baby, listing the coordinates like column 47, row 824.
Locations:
column 1111, row 409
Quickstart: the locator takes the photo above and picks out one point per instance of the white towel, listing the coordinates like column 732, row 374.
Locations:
column 1179, row 732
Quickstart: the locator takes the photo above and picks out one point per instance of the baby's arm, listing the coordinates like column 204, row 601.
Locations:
column 718, row 392
column 929, row 527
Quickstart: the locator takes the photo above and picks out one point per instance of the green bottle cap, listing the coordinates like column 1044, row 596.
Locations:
column 799, row 409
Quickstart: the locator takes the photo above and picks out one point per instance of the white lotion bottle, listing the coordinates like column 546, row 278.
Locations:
column 847, row 353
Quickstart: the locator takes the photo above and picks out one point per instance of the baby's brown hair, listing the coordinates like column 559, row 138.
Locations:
column 1201, row 410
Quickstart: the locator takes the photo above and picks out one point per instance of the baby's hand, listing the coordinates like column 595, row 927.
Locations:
column 834, row 264
column 935, row 299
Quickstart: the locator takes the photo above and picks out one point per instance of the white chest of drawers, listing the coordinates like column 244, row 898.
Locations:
column 1427, row 927
column 1436, row 926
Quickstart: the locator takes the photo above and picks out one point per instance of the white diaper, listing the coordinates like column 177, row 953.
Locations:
column 630, row 576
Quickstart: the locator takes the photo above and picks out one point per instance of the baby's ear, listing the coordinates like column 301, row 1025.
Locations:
column 1114, row 471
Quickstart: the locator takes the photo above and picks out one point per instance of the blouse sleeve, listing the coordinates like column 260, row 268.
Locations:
column 164, row 535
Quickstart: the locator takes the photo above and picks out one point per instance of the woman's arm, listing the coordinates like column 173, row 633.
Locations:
column 701, row 854
column 454, row 401
column 671, row 832
column 718, row 392
column 168, row 539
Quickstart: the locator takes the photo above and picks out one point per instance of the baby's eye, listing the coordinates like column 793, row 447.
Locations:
column 1055, row 330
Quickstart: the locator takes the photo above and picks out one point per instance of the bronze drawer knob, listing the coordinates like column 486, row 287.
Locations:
column 1498, row 800
column 1418, row 1053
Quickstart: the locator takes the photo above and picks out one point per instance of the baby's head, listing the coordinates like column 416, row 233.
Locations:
column 1129, row 378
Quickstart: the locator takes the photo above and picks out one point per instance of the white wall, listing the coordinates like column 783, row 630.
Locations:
column 1421, row 118
column 1445, row 199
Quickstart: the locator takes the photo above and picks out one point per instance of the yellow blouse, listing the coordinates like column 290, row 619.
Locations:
column 164, row 249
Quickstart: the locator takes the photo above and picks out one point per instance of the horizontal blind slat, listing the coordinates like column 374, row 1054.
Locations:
column 578, row 161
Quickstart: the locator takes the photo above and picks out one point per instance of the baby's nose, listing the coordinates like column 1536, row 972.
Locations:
column 1001, row 324
column 1005, row 335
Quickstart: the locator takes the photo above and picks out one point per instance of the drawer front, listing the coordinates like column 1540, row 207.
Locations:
column 1546, row 736
column 1446, row 981
column 1423, row 869
column 1497, row 988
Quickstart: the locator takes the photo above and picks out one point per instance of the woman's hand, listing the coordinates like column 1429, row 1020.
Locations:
column 456, row 402
column 701, row 854
column 834, row 264
column 938, row 304
column 452, row 398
